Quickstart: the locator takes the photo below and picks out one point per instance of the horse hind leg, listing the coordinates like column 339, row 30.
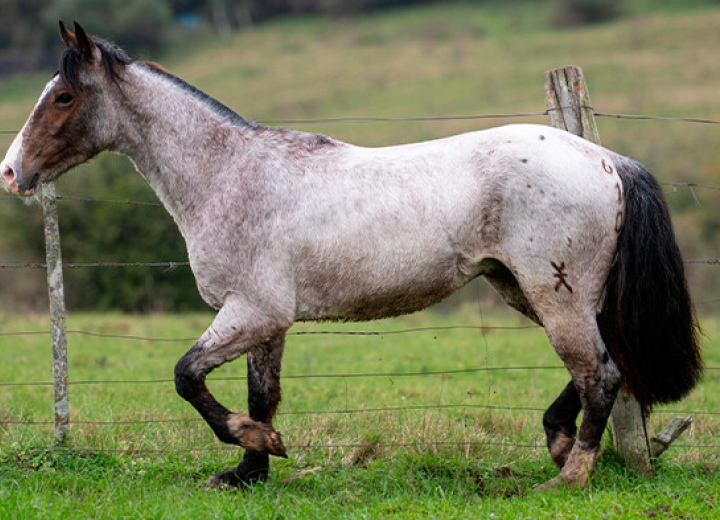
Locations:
column 596, row 380
column 559, row 419
column 559, row 423
column 263, row 378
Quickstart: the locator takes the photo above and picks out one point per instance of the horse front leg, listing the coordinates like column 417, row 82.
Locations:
column 263, row 378
column 235, row 331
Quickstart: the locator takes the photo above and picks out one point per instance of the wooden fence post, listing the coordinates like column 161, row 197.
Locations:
column 569, row 108
column 58, row 327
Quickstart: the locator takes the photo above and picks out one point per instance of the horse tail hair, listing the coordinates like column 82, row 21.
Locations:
column 647, row 320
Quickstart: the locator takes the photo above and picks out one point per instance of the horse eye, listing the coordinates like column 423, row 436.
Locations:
column 64, row 99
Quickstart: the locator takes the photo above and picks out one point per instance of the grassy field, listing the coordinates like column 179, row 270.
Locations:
column 452, row 443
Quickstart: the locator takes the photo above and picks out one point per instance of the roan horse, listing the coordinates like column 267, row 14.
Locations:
column 284, row 226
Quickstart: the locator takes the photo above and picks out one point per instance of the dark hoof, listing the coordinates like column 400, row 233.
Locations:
column 214, row 482
column 254, row 468
column 233, row 479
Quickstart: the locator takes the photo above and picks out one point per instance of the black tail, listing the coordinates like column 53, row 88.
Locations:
column 647, row 320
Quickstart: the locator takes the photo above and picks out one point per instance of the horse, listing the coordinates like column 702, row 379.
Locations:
column 284, row 226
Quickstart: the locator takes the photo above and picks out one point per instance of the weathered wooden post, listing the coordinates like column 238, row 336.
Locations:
column 56, row 292
column 569, row 108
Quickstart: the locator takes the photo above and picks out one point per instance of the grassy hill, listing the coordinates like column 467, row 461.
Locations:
column 465, row 59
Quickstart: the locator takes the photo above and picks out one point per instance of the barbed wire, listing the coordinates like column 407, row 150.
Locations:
column 471, row 117
column 291, row 333
column 657, row 118
column 309, row 376
column 337, row 446
column 352, row 411
column 301, row 376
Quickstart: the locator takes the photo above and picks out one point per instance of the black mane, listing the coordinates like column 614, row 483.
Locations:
column 114, row 60
column 220, row 109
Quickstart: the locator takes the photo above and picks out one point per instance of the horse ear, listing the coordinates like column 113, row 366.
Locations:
column 84, row 43
column 67, row 36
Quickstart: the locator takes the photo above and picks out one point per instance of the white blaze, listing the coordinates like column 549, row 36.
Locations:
column 14, row 155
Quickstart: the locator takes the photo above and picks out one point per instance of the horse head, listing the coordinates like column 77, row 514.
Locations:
column 72, row 120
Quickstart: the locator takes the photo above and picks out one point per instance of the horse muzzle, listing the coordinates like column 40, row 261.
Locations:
column 27, row 188
column 24, row 187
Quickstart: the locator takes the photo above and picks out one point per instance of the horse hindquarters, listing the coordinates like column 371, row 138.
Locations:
column 645, row 334
column 557, row 236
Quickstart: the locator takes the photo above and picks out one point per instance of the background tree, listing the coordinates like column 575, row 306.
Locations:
column 583, row 12
column 136, row 25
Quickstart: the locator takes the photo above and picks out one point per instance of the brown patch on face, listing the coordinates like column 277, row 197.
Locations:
column 608, row 167
column 619, row 192
column 561, row 275
column 542, row 137
column 49, row 140
column 256, row 436
column 618, row 221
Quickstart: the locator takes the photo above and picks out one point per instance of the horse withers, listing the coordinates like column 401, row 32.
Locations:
column 284, row 226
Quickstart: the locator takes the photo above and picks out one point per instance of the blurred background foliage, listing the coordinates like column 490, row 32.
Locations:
column 294, row 59
column 28, row 34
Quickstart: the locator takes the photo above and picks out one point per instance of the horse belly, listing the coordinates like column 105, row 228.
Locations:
column 360, row 291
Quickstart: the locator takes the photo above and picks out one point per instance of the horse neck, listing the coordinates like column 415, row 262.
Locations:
column 176, row 139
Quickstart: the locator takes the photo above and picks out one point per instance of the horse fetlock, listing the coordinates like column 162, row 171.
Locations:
column 561, row 448
column 579, row 466
column 256, row 436
column 576, row 471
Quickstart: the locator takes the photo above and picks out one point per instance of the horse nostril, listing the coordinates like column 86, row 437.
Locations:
column 8, row 174
column 9, row 178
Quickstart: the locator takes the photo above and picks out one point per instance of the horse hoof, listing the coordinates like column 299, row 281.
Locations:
column 236, row 479
column 215, row 483
column 550, row 486
column 275, row 445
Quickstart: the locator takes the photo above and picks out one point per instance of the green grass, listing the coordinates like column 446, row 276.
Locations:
column 461, row 462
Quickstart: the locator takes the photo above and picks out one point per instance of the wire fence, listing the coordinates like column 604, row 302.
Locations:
column 395, row 374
